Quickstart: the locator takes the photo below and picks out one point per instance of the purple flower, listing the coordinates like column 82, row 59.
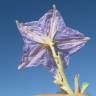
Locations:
column 37, row 34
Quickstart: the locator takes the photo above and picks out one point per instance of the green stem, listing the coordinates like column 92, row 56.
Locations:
column 60, row 66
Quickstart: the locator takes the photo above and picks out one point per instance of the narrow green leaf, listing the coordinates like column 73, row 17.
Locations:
column 76, row 83
column 84, row 87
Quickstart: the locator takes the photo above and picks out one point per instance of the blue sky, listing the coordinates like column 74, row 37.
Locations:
column 78, row 14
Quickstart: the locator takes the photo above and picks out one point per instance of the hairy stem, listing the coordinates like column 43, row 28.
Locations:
column 60, row 66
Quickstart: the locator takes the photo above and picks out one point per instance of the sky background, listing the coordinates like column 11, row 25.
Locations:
column 78, row 14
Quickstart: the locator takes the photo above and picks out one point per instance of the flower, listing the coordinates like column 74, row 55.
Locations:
column 50, row 29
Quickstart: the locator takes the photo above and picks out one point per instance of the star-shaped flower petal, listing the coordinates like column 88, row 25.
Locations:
column 38, row 35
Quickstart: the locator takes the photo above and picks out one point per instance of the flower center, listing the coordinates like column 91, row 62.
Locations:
column 48, row 42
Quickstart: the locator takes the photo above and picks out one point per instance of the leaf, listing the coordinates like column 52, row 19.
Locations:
column 76, row 83
column 85, row 85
